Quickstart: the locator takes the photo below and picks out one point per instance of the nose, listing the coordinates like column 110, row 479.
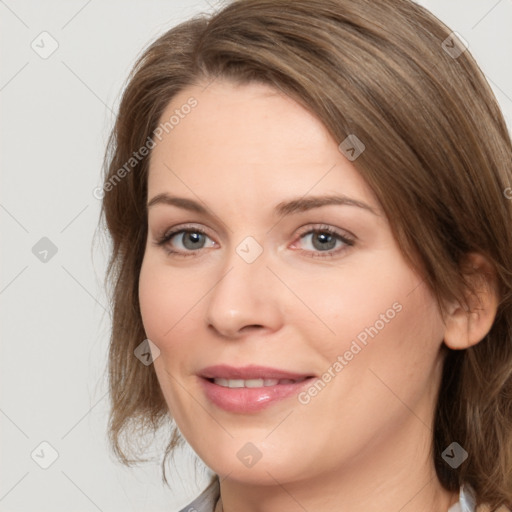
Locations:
column 246, row 297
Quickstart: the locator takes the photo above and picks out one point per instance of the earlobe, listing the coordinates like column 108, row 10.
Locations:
column 466, row 327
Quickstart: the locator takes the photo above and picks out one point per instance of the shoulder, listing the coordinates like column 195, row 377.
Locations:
column 207, row 500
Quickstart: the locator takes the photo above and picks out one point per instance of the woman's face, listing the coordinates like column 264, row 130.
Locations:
column 266, row 282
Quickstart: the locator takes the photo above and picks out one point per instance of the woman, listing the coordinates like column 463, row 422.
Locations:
column 311, row 260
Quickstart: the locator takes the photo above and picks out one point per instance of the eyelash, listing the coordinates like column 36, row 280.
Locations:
column 163, row 240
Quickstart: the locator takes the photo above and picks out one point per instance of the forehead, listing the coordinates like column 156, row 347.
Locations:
column 249, row 140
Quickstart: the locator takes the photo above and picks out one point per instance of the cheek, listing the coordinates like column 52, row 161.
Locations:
column 392, row 346
column 382, row 311
column 153, row 303
column 166, row 301
column 167, row 311
column 347, row 304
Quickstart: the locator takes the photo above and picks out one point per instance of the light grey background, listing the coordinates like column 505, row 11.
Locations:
column 55, row 118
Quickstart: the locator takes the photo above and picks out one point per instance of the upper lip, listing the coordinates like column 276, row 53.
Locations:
column 223, row 371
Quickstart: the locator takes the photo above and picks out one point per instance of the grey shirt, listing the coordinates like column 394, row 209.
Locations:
column 207, row 500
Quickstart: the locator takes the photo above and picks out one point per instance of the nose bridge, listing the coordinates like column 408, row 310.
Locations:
column 244, row 295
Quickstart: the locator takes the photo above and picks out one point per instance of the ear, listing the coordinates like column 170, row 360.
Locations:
column 465, row 328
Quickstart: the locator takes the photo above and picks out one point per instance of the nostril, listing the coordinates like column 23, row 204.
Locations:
column 251, row 327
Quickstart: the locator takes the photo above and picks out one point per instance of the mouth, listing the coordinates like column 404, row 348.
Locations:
column 251, row 372
column 250, row 388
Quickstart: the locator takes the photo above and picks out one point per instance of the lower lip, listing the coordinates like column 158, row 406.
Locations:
column 243, row 400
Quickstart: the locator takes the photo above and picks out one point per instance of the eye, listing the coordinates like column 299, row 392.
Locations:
column 183, row 241
column 321, row 241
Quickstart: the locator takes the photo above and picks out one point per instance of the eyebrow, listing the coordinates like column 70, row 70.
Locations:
column 301, row 204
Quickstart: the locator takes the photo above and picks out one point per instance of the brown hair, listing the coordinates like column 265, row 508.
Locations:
column 438, row 157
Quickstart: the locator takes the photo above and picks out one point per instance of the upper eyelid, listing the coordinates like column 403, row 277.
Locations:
column 319, row 226
column 186, row 227
column 312, row 226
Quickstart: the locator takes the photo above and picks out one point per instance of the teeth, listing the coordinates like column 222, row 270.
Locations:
column 253, row 383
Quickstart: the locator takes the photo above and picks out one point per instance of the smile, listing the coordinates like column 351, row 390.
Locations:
column 249, row 389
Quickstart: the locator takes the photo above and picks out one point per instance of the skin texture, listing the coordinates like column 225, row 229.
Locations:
column 364, row 441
